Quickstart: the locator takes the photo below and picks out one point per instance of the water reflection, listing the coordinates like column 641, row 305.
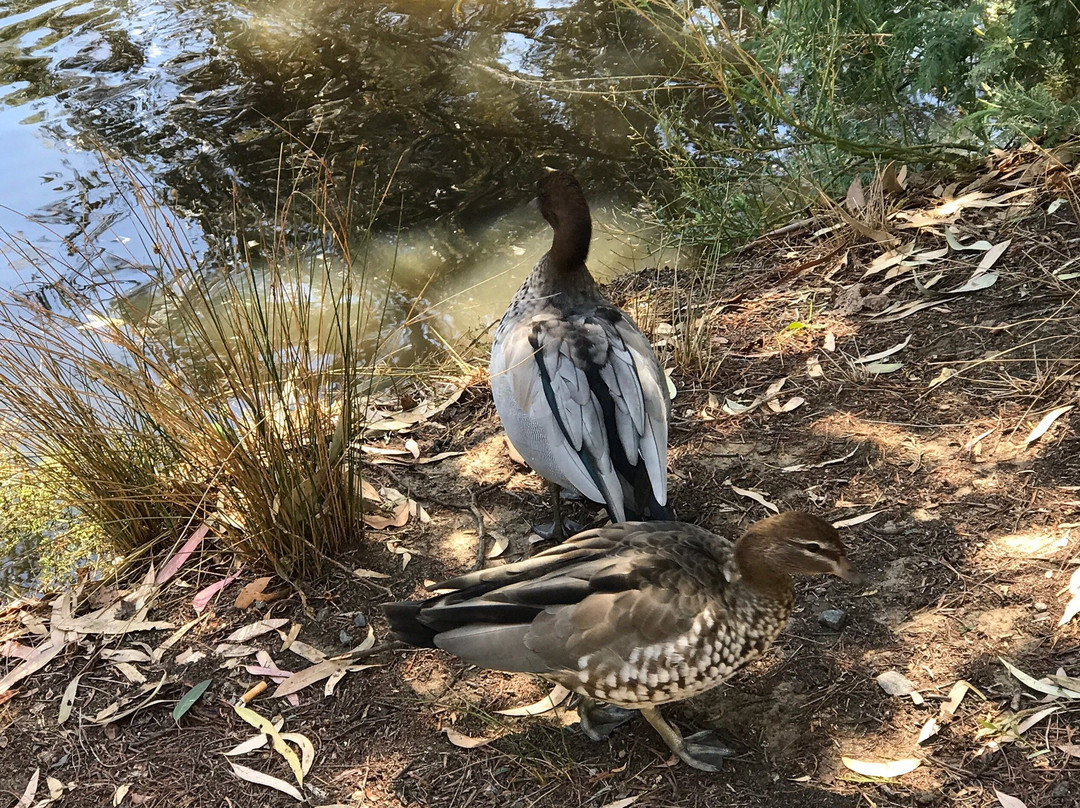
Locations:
column 460, row 104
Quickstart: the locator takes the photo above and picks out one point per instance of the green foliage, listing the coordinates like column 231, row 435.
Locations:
column 799, row 96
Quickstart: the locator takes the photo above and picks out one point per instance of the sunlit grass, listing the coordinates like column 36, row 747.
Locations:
column 234, row 389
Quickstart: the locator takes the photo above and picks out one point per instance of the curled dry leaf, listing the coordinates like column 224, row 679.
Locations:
column 855, row 520
column 307, row 749
column 886, row 769
column 120, row 793
column 1047, row 421
column 943, row 376
column 265, row 726
column 931, row 728
column 549, row 702
column 866, row 360
column 956, row 695
column 464, row 741
column 499, row 543
column 756, row 496
column 257, row 777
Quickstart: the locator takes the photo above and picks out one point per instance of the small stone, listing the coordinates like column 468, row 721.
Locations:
column 1040, row 606
column 890, row 528
column 359, row 620
column 834, row 619
column 322, row 614
column 345, row 638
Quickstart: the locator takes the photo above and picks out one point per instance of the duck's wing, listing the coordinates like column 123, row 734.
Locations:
column 605, row 592
column 594, row 388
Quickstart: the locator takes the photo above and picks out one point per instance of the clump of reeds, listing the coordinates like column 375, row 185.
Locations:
column 233, row 389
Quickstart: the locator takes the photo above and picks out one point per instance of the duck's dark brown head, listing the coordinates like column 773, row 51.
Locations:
column 791, row 543
column 563, row 205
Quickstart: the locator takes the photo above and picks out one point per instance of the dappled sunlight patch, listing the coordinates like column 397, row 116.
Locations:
column 1048, row 543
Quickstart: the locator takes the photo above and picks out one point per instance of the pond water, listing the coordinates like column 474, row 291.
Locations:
column 433, row 119
column 444, row 112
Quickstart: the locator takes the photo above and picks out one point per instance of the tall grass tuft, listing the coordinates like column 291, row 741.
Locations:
column 234, row 389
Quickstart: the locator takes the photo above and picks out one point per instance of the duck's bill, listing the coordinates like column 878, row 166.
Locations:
column 848, row 572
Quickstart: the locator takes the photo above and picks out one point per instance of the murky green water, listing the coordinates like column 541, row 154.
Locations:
column 435, row 117
column 451, row 109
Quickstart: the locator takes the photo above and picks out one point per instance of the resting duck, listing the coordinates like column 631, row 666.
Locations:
column 576, row 384
column 633, row 615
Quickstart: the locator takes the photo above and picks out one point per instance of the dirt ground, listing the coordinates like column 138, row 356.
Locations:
column 969, row 554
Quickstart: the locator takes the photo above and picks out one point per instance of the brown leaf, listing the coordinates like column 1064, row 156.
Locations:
column 397, row 518
column 252, row 592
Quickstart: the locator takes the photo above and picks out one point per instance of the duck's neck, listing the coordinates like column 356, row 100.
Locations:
column 757, row 567
column 570, row 244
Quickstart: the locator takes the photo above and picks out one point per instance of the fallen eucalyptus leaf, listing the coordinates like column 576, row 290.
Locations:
column 257, row 777
column 881, row 368
column 754, row 495
column 1008, row 801
column 188, row 700
column 856, row 520
column 549, row 702
column 866, row 360
column 67, row 701
column 267, row 727
column 887, row 769
column 464, row 741
column 256, row 629
column 1047, row 421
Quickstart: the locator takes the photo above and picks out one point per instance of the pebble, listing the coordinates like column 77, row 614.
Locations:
column 345, row 638
column 834, row 619
column 322, row 614
column 359, row 620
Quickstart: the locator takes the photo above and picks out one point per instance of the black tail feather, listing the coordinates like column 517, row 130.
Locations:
column 405, row 623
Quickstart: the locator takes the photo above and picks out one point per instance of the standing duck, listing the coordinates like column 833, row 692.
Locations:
column 576, row 384
column 633, row 615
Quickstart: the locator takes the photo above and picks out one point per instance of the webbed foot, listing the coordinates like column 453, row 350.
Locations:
column 598, row 719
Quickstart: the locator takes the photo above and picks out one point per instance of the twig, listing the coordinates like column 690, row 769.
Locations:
column 481, row 533
column 378, row 648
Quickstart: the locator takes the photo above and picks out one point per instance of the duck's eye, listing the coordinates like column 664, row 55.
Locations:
column 812, row 547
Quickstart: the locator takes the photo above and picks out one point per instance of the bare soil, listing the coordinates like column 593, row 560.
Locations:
column 968, row 556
